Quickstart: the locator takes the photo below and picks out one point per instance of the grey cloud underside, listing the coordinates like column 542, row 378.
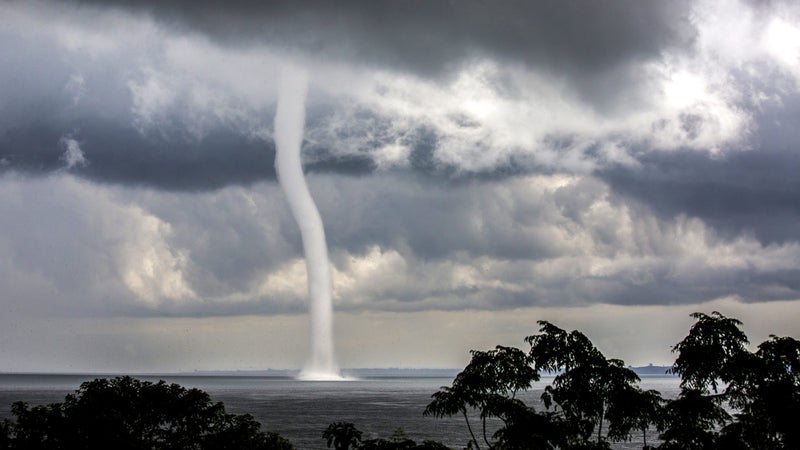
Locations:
column 121, row 154
column 499, row 223
column 166, row 159
column 169, row 158
column 755, row 191
column 749, row 192
column 504, row 222
column 743, row 191
column 431, row 37
column 520, row 242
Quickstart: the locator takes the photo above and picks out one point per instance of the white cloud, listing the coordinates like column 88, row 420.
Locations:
column 149, row 266
column 73, row 155
column 490, row 115
column 750, row 37
column 86, row 246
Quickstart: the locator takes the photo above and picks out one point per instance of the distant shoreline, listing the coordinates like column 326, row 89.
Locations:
column 646, row 371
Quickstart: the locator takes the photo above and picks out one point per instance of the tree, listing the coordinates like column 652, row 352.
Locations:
column 342, row 436
column 766, row 393
column 449, row 401
column 125, row 413
column 589, row 390
column 487, row 385
column 691, row 421
column 714, row 350
column 642, row 409
column 527, row 429
column 776, row 393
column 763, row 388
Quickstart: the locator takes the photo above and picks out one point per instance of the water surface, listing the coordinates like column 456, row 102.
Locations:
column 301, row 410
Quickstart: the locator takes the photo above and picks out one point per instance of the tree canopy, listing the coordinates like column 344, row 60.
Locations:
column 593, row 401
column 126, row 413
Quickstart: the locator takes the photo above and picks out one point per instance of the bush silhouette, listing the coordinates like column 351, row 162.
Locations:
column 124, row 413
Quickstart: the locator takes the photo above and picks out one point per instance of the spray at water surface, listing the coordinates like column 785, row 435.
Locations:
column 289, row 123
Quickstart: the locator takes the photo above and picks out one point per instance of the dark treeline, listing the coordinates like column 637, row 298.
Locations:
column 126, row 414
column 592, row 402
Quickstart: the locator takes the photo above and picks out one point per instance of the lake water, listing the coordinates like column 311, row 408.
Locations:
column 301, row 410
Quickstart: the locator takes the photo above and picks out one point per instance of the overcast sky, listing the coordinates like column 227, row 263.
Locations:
column 610, row 166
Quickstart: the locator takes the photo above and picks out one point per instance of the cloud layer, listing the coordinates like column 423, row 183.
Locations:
column 186, row 106
column 396, row 245
column 467, row 156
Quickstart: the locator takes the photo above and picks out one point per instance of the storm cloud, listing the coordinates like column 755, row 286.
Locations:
column 434, row 37
column 472, row 158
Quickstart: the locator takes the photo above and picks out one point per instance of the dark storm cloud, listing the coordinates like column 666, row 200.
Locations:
column 168, row 159
column 430, row 37
column 453, row 198
column 755, row 191
column 121, row 154
column 591, row 43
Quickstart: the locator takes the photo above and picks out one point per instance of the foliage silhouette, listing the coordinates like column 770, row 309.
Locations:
column 691, row 421
column 125, row 413
column 342, row 436
column 593, row 401
column 643, row 409
column 345, row 436
column 714, row 350
column 489, row 385
column 588, row 391
column 762, row 388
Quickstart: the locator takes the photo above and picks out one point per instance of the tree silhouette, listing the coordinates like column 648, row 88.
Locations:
column 589, row 390
column 692, row 420
column 342, row 436
column 715, row 349
column 642, row 409
column 766, row 394
column 125, row 413
column 763, row 389
column 526, row 429
column 488, row 385
column 449, row 401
